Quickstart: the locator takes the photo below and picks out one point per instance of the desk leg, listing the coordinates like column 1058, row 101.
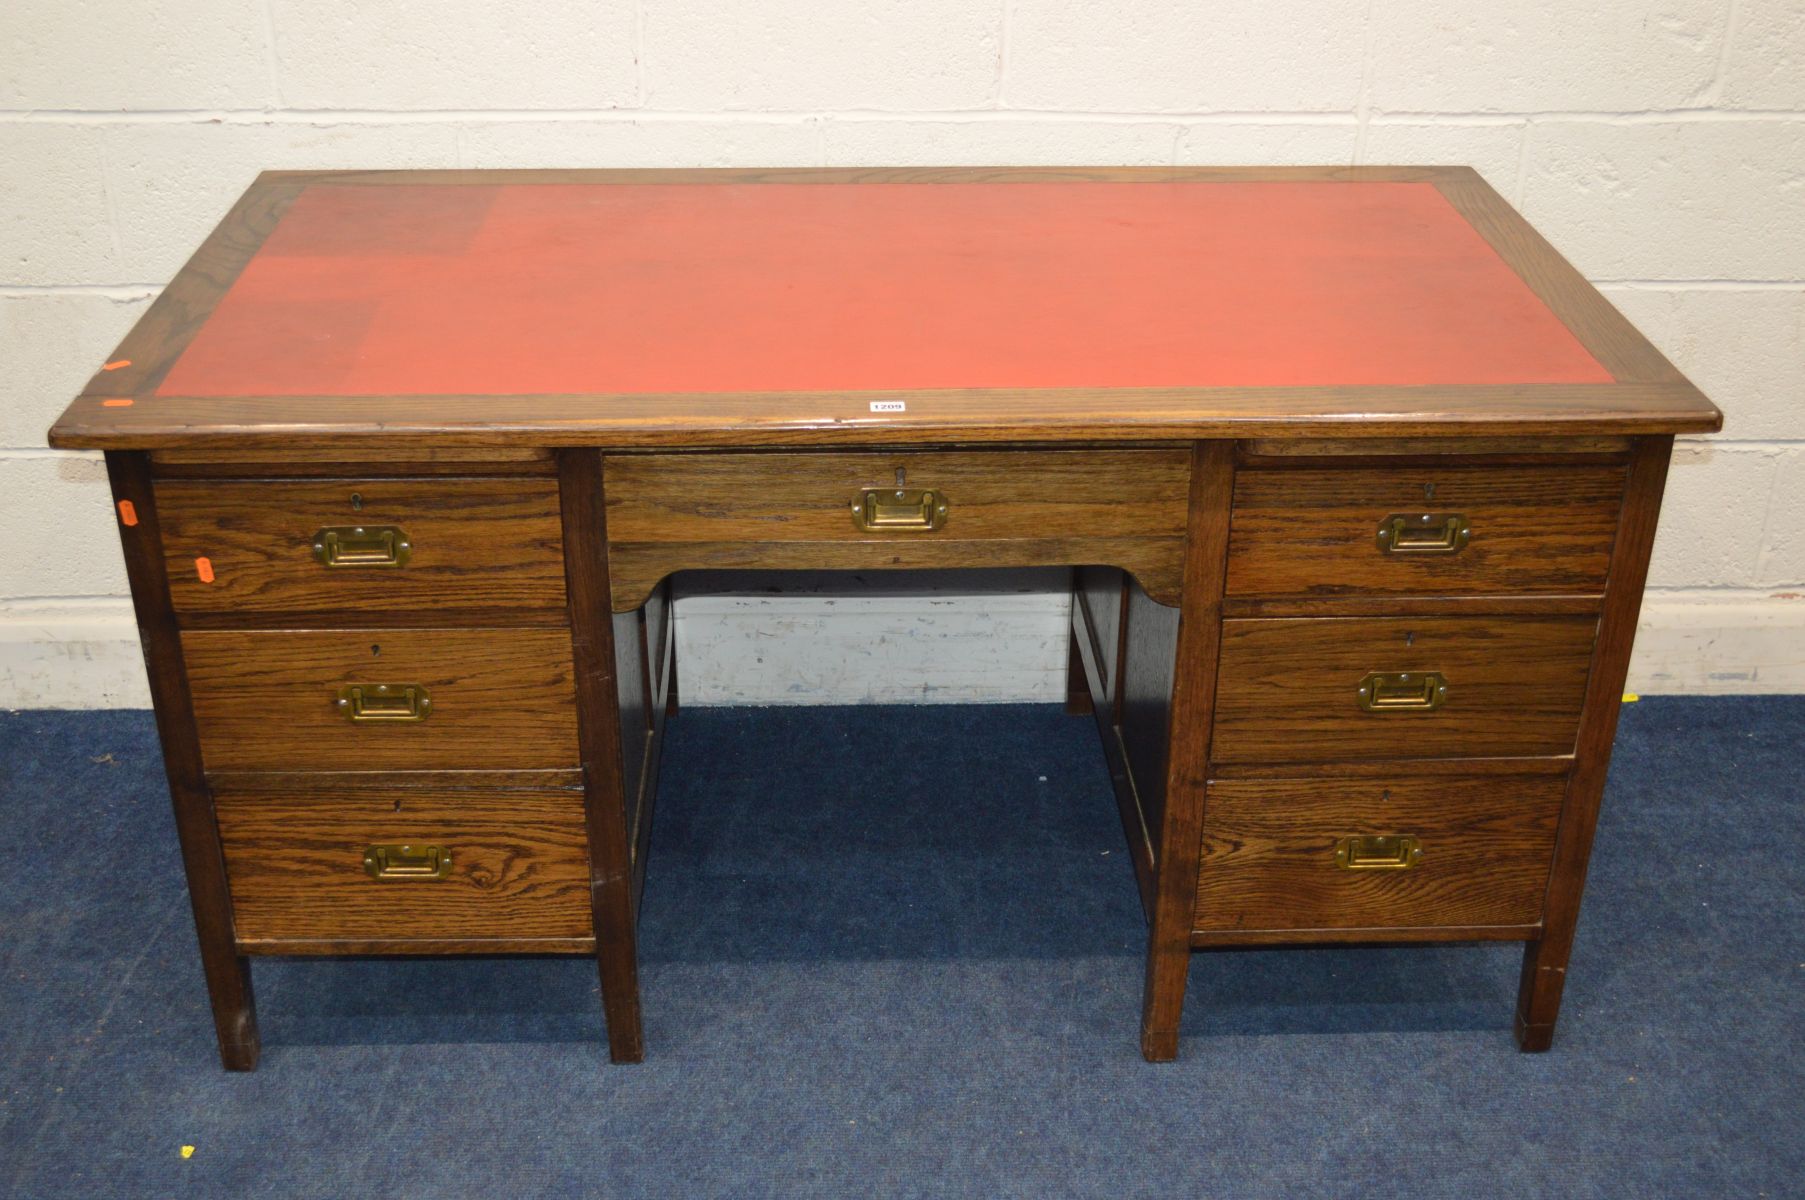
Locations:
column 228, row 972
column 598, row 684
column 1545, row 960
column 1187, row 767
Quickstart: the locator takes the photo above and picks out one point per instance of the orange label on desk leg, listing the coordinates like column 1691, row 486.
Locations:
column 117, row 402
column 204, row 568
column 128, row 513
column 116, row 364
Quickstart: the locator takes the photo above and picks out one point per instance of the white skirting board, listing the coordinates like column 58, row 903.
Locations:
column 959, row 637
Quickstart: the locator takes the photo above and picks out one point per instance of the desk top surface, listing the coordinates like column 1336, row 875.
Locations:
column 726, row 307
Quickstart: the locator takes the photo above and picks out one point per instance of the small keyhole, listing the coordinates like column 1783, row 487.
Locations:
column 375, row 649
column 899, row 477
column 1428, row 491
column 1384, row 795
column 357, row 502
column 1410, row 639
column 397, row 806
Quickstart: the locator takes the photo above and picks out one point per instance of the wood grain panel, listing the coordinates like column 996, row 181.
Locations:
column 519, row 864
column 1288, row 690
column 306, row 459
column 248, row 425
column 1545, row 960
column 227, row 972
column 477, row 544
column 1198, row 641
column 1121, row 508
column 501, row 698
column 1149, row 666
column 1255, row 450
column 1314, row 533
column 1269, row 852
column 609, row 794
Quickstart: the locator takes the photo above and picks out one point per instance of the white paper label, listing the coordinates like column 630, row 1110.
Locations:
column 889, row 406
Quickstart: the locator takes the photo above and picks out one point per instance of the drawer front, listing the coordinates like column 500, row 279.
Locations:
column 277, row 700
column 671, row 512
column 1423, row 531
column 1301, row 854
column 293, row 546
column 1291, row 690
column 478, row 864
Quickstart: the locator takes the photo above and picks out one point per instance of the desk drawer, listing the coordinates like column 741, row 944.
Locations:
column 1423, row 530
column 669, row 512
column 454, row 699
column 1303, row 854
column 400, row 546
column 1291, row 690
column 478, row 864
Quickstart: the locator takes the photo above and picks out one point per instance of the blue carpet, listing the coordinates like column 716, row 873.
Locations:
column 898, row 953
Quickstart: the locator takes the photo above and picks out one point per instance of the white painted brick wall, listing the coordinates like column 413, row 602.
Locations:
column 1659, row 143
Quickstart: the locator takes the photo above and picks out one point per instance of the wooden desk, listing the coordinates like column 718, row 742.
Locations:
column 1357, row 479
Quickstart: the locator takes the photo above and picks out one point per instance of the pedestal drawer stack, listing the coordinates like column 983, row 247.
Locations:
column 1403, row 663
column 381, row 677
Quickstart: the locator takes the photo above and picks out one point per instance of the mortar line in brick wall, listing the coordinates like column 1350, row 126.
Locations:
column 997, row 99
column 1703, row 285
column 109, row 199
column 270, row 56
column 1518, row 183
column 1363, row 99
column 109, row 291
column 639, row 56
column 1648, row 116
column 1764, row 548
column 1732, row 19
column 1706, row 593
column 328, row 116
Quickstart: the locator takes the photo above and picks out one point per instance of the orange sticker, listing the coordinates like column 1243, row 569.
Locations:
column 204, row 568
column 128, row 515
column 117, row 402
column 116, row 364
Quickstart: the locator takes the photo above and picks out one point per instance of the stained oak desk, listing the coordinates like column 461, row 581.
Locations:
column 1357, row 479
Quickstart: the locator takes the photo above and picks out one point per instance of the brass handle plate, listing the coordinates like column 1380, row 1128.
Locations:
column 362, row 546
column 1402, row 691
column 1378, row 852
column 894, row 510
column 1424, row 533
column 379, row 702
column 425, row 864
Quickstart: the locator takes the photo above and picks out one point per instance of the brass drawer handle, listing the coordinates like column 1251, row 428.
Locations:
column 1403, row 691
column 384, row 702
column 1378, row 852
column 426, row 864
column 1424, row 533
column 893, row 510
column 361, row 546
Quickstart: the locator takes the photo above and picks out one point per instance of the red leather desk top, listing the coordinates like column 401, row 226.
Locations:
column 517, row 289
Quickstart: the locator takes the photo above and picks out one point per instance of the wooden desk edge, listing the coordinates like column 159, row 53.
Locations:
column 170, row 422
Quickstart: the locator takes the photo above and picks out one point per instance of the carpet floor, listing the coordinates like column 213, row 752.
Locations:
column 897, row 952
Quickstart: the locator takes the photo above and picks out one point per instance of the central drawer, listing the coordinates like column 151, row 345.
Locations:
column 405, row 864
column 383, row 699
column 862, row 511
column 1341, row 689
